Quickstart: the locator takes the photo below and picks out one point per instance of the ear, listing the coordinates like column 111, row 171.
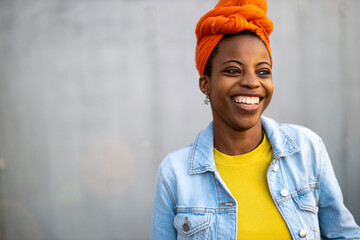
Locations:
column 204, row 84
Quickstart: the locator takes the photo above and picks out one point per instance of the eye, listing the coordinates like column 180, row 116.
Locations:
column 264, row 73
column 232, row 71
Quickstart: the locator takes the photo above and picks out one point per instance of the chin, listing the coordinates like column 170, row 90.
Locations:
column 244, row 123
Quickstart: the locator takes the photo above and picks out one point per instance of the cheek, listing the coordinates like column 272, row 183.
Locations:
column 218, row 87
column 269, row 87
column 270, row 90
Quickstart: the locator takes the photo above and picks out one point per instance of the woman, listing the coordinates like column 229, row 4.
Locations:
column 246, row 176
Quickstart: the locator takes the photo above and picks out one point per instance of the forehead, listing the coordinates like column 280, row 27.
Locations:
column 243, row 47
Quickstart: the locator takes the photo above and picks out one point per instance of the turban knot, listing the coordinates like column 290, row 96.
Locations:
column 230, row 17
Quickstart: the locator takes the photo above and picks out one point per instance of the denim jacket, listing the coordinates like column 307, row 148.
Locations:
column 191, row 201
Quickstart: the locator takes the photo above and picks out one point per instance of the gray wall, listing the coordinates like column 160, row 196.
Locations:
column 94, row 93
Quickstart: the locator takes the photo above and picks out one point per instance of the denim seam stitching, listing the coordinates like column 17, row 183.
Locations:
column 282, row 174
column 168, row 190
column 321, row 163
column 217, row 226
column 294, row 195
column 218, row 202
column 216, row 189
column 204, row 210
column 192, row 155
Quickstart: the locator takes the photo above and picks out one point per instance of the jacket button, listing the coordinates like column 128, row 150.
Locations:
column 284, row 192
column 275, row 168
column 303, row 233
column 186, row 225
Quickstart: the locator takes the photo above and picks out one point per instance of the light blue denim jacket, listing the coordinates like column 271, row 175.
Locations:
column 191, row 200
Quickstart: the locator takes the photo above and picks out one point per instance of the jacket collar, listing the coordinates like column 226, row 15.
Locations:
column 281, row 142
column 202, row 154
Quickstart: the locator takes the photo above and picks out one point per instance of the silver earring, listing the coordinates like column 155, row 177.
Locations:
column 206, row 100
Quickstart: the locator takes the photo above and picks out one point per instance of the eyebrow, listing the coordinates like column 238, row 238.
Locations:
column 235, row 61
column 240, row 63
column 263, row 63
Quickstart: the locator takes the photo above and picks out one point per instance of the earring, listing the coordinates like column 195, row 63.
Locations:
column 206, row 100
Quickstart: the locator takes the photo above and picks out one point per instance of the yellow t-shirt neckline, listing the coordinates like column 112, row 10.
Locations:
column 254, row 155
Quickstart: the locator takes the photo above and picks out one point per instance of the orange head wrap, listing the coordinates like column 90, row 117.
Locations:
column 229, row 17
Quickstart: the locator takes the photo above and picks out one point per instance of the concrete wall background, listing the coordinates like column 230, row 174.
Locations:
column 94, row 93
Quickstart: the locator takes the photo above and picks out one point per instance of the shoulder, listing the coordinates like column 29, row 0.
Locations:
column 295, row 133
column 175, row 162
column 294, row 140
column 307, row 140
column 299, row 147
column 298, row 132
column 194, row 158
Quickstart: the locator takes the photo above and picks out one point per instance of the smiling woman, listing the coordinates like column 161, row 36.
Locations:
column 240, row 88
column 246, row 176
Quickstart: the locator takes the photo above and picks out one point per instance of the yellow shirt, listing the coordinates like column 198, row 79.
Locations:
column 245, row 176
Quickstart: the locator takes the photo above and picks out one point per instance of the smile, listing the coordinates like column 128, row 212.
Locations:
column 246, row 100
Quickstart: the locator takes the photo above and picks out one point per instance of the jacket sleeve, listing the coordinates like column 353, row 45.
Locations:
column 162, row 227
column 336, row 222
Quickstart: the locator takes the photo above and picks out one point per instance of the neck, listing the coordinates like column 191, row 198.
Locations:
column 236, row 142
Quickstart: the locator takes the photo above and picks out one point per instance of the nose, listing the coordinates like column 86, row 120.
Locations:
column 250, row 80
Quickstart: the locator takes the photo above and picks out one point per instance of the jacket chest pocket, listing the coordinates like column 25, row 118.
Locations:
column 307, row 205
column 194, row 226
column 307, row 202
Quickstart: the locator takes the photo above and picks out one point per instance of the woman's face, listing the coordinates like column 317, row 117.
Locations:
column 240, row 86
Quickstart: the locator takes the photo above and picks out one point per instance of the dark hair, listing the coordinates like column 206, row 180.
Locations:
column 208, row 66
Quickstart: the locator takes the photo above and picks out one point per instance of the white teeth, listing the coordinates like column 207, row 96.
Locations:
column 247, row 100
